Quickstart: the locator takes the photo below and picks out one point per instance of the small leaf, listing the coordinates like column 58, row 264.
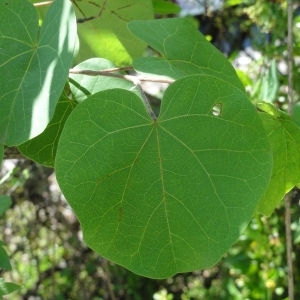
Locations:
column 42, row 148
column 7, row 287
column 185, row 51
column 164, row 7
column 34, row 65
column 284, row 138
column 102, row 29
column 4, row 258
column 83, row 86
column 5, row 203
column 166, row 196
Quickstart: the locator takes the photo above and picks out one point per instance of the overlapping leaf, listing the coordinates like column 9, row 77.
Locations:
column 83, row 86
column 284, row 138
column 166, row 196
column 185, row 51
column 42, row 148
column 102, row 28
column 34, row 65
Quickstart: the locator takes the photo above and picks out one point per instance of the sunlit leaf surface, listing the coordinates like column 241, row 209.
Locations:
column 34, row 64
column 102, row 28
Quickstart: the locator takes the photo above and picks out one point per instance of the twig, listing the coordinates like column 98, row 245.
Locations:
column 135, row 80
column 108, row 280
column 290, row 56
column 288, row 197
column 289, row 247
column 137, row 83
column 118, row 69
column 122, row 76
column 42, row 3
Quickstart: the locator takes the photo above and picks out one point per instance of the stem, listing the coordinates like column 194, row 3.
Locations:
column 42, row 3
column 289, row 245
column 122, row 76
column 135, row 80
column 145, row 100
column 290, row 55
column 288, row 197
column 108, row 280
column 118, row 69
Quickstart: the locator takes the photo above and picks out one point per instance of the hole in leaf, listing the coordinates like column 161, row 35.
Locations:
column 217, row 109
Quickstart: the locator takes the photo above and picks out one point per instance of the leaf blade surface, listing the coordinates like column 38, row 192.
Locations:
column 42, row 148
column 5, row 203
column 102, row 29
column 185, row 51
column 284, row 138
column 33, row 66
column 83, row 86
column 168, row 196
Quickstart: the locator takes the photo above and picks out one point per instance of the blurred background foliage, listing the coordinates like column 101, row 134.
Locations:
column 43, row 238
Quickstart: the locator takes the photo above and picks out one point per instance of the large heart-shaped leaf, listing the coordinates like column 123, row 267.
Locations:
column 102, row 28
column 185, row 51
column 284, row 138
column 34, row 65
column 165, row 196
column 42, row 148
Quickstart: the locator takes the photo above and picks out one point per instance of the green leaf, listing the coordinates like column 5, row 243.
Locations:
column 42, row 148
column 296, row 114
column 1, row 153
column 267, row 86
column 83, row 86
column 166, row 196
column 5, row 203
column 4, row 258
column 7, row 287
column 102, row 29
column 284, row 138
column 229, row 3
column 164, row 7
column 185, row 51
column 270, row 109
column 34, row 65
